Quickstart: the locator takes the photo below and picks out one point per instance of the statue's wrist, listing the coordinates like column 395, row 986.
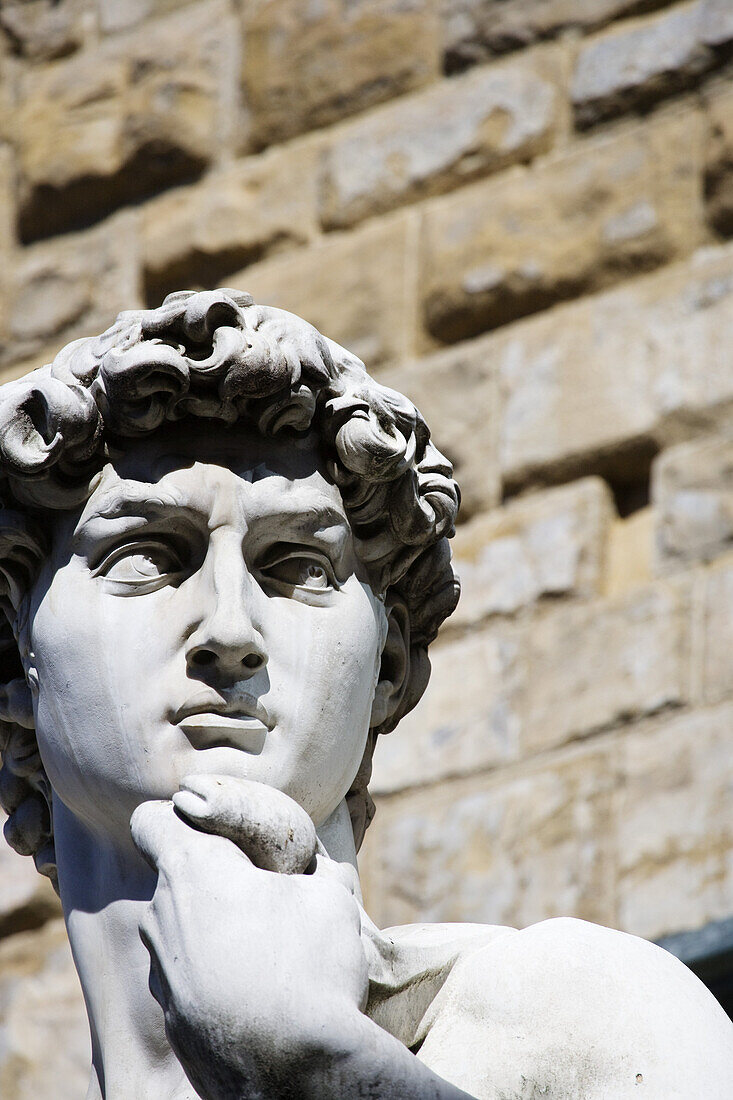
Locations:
column 358, row 1057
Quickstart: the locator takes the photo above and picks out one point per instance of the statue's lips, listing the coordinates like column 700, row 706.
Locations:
column 240, row 723
column 206, row 731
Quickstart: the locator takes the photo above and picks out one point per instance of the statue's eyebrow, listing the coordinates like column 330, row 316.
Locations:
column 150, row 503
column 146, row 503
column 316, row 515
column 315, row 521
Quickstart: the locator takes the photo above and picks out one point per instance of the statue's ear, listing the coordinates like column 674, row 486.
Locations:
column 394, row 670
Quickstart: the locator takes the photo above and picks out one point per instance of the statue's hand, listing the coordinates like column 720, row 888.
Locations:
column 261, row 976
column 270, row 828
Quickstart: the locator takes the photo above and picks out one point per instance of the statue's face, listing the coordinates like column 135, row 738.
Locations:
column 204, row 612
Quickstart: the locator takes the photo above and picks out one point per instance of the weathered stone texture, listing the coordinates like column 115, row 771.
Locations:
column 603, row 664
column 633, row 830
column 630, row 552
column 44, row 1037
column 195, row 237
column 693, row 498
column 717, row 633
column 568, row 377
column 532, row 843
column 120, row 15
column 465, row 722
column 719, row 163
column 675, row 824
column 69, row 287
column 309, row 64
column 634, row 66
column 7, row 235
column 117, row 123
column 46, row 29
column 7, row 202
column 548, row 544
column 443, row 137
column 506, row 692
column 354, row 288
column 457, row 393
column 508, row 247
column 475, row 30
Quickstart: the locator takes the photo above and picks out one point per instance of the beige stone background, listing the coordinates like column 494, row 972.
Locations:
column 519, row 212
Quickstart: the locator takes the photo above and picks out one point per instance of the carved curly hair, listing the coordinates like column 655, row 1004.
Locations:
column 214, row 355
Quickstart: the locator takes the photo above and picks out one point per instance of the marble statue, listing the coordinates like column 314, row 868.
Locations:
column 223, row 555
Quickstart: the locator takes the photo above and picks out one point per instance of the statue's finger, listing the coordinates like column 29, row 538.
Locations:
column 166, row 842
column 149, row 828
column 269, row 827
column 343, row 873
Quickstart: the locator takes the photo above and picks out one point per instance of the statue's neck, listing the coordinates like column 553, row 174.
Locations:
column 105, row 887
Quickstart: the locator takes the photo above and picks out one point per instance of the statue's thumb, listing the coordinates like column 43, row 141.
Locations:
column 270, row 828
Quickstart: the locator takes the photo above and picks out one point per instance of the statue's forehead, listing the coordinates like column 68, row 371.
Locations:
column 208, row 470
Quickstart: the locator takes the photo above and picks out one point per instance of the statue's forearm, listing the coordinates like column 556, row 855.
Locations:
column 332, row 1057
column 353, row 1058
column 364, row 1060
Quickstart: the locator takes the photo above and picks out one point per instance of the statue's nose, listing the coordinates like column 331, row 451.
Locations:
column 226, row 639
column 245, row 659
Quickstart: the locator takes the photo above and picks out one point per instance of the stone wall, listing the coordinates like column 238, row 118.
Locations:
column 518, row 213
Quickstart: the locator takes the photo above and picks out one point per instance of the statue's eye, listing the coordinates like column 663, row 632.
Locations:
column 303, row 572
column 140, row 564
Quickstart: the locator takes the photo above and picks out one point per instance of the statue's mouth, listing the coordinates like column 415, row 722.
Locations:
column 238, row 720
column 210, row 730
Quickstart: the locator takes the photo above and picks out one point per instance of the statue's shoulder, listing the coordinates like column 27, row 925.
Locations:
column 409, row 966
column 576, row 1010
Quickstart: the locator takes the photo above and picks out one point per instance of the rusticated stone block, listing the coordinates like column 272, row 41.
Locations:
column 674, row 824
column 353, row 287
column 7, row 202
column 693, row 498
column 474, row 30
column 69, row 287
column 195, row 237
column 307, row 65
column 468, row 719
column 45, row 29
column 597, row 665
column 508, row 247
column 7, row 233
column 115, row 124
column 719, row 162
column 597, row 385
column 548, row 544
column 10, row 70
column 442, row 137
column 588, row 385
column 630, row 552
column 717, row 639
column 633, row 66
column 633, row 830
column 510, row 848
column 456, row 391
column 115, row 16
column 45, row 1049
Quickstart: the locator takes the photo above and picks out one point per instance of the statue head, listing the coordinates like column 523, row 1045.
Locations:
column 223, row 546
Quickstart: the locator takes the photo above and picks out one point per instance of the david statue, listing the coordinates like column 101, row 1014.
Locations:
column 223, row 555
